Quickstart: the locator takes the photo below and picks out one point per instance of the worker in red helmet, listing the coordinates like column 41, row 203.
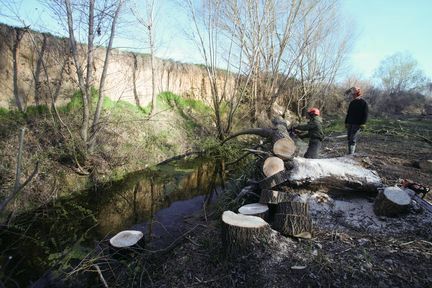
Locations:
column 315, row 132
column 356, row 117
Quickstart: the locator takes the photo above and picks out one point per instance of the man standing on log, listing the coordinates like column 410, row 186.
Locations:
column 356, row 117
column 315, row 133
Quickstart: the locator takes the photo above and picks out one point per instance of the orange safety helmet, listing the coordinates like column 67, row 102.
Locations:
column 314, row 111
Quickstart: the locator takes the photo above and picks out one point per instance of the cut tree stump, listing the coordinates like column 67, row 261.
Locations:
column 393, row 201
column 273, row 165
column 255, row 209
column 240, row 233
column 274, row 180
column 127, row 238
column 293, row 225
column 284, row 148
column 275, row 197
column 293, row 208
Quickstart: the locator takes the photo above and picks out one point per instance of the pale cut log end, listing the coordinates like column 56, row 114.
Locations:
column 240, row 233
column 273, row 165
column 126, row 238
column 284, row 148
column 254, row 209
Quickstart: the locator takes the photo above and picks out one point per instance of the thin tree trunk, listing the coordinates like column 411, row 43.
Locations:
column 82, row 86
column 19, row 33
column 95, row 124
column 152, row 48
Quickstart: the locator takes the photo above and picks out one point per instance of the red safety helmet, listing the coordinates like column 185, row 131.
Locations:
column 314, row 111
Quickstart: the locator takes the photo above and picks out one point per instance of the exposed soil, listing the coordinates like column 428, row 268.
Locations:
column 351, row 246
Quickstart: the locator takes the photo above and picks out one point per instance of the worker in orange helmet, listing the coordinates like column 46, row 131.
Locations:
column 356, row 117
column 315, row 132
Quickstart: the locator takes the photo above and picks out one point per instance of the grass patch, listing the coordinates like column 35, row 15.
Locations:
column 170, row 100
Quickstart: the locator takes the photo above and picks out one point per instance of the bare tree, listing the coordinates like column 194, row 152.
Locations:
column 321, row 44
column 206, row 22
column 96, row 125
column 400, row 73
column 149, row 24
column 107, row 12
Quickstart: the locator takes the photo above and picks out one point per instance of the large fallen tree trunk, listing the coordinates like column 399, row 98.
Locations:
column 240, row 233
column 393, row 201
column 341, row 172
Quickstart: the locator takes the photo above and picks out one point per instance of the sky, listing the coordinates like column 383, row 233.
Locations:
column 385, row 27
column 381, row 28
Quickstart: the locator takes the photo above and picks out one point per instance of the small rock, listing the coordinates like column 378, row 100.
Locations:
column 388, row 261
column 363, row 241
column 298, row 267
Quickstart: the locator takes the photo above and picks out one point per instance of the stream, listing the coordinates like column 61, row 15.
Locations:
column 155, row 201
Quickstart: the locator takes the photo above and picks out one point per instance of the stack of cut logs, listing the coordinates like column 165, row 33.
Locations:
column 282, row 210
column 276, row 209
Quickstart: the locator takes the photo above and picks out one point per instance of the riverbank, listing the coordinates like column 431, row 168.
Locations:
column 348, row 248
column 130, row 140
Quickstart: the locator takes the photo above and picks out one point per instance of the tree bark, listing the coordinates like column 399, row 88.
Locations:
column 275, row 197
column 274, row 180
column 293, row 225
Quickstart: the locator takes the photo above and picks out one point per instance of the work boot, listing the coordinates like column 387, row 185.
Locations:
column 351, row 149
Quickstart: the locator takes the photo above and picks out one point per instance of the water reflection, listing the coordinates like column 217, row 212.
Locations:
column 153, row 201
column 138, row 201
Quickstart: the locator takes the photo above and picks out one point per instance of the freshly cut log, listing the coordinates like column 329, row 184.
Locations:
column 241, row 233
column 392, row 201
column 293, row 225
column 275, row 197
column 284, row 148
column 293, row 208
column 273, row 165
column 126, row 238
column 254, row 209
column 342, row 172
column 274, row 180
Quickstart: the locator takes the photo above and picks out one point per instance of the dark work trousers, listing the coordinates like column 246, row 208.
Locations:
column 313, row 148
column 353, row 132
